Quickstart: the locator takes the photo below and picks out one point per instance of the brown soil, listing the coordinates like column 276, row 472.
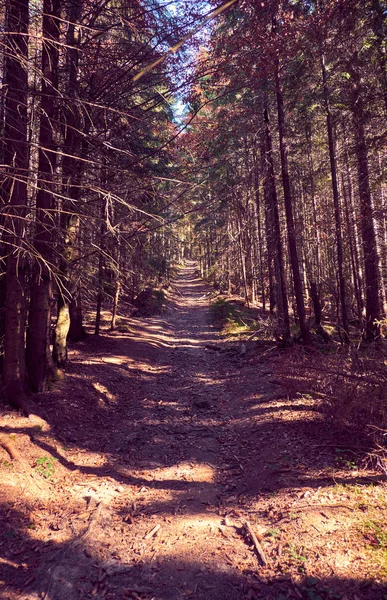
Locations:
column 138, row 475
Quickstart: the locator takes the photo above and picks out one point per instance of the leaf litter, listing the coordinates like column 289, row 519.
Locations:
column 168, row 470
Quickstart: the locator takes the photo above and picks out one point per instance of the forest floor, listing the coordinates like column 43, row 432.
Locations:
column 157, row 453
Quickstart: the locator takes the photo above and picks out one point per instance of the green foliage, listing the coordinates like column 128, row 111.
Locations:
column 222, row 311
column 378, row 529
column 376, row 534
column 343, row 460
column 5, row 463
column 275, row 533
column 45, row 466
column 297, row 556
column 231, row 319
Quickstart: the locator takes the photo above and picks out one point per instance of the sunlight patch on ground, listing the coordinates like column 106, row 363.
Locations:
column 114, row 360
column 101, row 389
column 198, row 472
column 199, row 521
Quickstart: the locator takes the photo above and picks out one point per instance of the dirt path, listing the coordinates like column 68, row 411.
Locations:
column 153, row 452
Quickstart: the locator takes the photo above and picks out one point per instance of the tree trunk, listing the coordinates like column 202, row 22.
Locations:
column 371, row 265
column 38, row 360
column 72, row 171
column 76, row 330
column 294, row 261
column 117, row 276
column 271, row 201
column 257, row 215
column 336, row 204
column 16, row 161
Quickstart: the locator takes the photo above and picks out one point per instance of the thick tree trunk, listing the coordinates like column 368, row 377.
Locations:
column 371, row 263
column 16, row 161
column 59, row 352
column 72, row 172
column 38, row 360
column 294, row 261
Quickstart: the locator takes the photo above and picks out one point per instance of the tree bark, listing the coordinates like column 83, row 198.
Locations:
column 72, row 171
column 336, row 204
column 16, row 158
column 294, row 261
column 39, row 361
column 271, row 200
column 371, row 262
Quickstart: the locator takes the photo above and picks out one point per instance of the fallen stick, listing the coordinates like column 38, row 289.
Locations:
column 152, row 532
column 257, row 545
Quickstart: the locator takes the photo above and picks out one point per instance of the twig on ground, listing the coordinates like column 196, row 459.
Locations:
column 255, row 541
column 152, row 532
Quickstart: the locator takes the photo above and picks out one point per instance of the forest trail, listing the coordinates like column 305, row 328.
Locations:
column 154, row 451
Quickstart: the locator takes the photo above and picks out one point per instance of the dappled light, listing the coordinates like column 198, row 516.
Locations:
column 193, row 300
column 145, row 479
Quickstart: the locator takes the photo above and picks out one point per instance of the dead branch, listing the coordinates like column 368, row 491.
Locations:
column 255, row 541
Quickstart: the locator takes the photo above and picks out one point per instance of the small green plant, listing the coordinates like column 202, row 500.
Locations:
column 5, row 463
column 378, row 531
column 45, row 466
column 274, row 533
column 297, row 556
column 349, row 464
column 375, row 534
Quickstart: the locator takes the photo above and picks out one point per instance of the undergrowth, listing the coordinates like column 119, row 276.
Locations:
column 231, row 317
column 350, row 389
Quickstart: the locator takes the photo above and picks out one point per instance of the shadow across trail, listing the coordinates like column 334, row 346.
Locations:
column 165, row 443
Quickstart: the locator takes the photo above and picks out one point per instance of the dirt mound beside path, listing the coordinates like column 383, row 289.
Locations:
column 163, row 469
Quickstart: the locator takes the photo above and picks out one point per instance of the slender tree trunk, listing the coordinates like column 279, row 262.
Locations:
column 271, row 201
column 257, row 214
column 243, row 266
column 294, row 261
column 316, row 225
column 336, row 204
column 354, row 227
column 115, row 303
column 101, row 263
column 38, row 359
column 16, row 161
column 371, row 264
column 352, row 250
column 76, row 330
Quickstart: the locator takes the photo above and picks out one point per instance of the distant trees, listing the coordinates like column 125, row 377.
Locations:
column 320, row 68
column 277, row 186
